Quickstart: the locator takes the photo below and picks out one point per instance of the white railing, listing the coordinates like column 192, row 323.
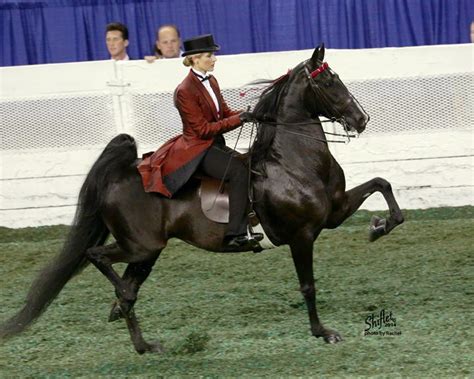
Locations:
column 56, row 119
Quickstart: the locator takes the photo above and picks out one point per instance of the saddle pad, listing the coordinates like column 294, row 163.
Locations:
column 214, row 204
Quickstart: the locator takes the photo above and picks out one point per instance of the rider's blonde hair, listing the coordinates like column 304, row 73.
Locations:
column 188, row 60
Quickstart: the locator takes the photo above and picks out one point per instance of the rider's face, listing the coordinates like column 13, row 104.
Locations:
column 204, row 62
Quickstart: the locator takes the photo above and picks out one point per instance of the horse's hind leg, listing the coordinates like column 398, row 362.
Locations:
column 141, row 346
column 346, row 204
column 135, row 274
column 103, row 257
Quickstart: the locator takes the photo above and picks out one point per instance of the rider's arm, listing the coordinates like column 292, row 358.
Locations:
column 190, row 108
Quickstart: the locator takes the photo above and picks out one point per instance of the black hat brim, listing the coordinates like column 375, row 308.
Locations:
column 197, row 51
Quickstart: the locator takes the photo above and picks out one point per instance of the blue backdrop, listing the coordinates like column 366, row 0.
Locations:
column 50, row 31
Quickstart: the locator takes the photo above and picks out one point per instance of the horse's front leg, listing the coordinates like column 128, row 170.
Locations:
column 349, row 202
column 302, row 253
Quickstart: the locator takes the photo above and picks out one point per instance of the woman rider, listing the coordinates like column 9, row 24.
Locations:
column 205, row 116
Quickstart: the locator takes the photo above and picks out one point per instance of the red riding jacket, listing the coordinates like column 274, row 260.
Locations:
column 166, row 170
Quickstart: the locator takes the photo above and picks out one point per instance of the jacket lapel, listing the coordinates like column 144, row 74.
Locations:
column 203, row 91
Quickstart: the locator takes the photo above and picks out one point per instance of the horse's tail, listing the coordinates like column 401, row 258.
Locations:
column 88, row 230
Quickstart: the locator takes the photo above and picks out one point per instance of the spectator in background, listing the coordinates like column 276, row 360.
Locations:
column 116, row 38
column 167, row 44
column 472, row 32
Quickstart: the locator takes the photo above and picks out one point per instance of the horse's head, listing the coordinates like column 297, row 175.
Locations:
column 327, row 96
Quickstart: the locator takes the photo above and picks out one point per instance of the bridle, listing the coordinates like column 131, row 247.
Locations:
column 326, row 103
column 327, row 108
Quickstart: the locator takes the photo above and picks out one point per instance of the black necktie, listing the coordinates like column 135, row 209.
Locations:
column 202, row 78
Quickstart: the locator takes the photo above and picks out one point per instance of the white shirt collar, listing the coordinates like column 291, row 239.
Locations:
column 126, row 58
column 208, row 87
column 199, row 73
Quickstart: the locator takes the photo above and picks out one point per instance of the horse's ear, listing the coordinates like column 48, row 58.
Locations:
column 318, row 54
column 322, row 50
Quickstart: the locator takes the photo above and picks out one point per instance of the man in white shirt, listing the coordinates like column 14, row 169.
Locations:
column 116, row 38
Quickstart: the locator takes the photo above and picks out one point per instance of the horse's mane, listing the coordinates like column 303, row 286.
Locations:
column 266, row 111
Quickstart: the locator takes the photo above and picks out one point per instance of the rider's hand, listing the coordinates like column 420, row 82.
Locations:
column 247, row 117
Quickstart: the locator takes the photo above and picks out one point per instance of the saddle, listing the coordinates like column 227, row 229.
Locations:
column 215, row 206
column 215, row 196
column 214, row 199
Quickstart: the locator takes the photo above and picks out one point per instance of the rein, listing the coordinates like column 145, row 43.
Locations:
column 255, row 125
column 340, row 121
column 326, row 103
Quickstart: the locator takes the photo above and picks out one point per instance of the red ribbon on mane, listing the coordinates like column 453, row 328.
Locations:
column 319, row 70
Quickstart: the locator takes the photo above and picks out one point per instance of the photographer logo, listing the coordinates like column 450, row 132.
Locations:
column 382, row 324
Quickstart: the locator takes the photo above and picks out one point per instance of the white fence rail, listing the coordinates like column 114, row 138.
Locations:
column 56, row 119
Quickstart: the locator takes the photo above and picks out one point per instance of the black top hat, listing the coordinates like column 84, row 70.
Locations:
column 199, row 44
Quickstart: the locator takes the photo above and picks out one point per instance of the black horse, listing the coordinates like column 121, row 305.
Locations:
column 300, row 191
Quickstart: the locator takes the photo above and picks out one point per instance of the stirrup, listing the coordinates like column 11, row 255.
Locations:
column 257, row 237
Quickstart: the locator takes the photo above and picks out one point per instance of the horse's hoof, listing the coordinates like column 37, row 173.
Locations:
column 154, row 347
column 332, row 337
column 329, row 336
column 115, row 312
column 377, row 228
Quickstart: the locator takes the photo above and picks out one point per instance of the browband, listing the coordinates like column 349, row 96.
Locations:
column 319, row 70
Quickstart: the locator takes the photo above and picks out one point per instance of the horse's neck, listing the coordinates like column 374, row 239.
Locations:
column 293, row 115
column 299, row 143
column 297, row 133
